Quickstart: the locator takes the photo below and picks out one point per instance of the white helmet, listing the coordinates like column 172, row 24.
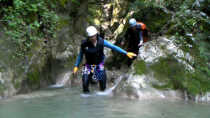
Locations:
column 132, row 22
column 91, row 31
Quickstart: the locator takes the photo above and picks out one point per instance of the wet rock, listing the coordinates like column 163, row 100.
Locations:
column 139, row 87
column 203, row 98
column 162, row 47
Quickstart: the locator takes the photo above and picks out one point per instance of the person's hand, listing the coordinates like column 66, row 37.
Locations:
column 122, row 43
column 131, row 55
column 75, row 70
column 139, row 45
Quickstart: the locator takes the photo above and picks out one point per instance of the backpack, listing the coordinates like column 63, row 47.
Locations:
column 144, row 32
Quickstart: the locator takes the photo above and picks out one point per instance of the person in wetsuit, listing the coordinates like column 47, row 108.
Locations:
column 135, row 35
column 93, row 49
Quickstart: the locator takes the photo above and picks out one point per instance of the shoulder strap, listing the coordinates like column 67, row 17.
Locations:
column 83, row 44
column 100, row 41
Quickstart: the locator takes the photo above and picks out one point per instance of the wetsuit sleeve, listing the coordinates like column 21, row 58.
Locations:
column 79, row 58
column 140, row 27
column 114, row 47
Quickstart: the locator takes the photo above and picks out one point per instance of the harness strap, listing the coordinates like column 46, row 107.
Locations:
column 96, row 70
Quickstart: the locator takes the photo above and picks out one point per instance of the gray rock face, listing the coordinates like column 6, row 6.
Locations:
column 6, row 88
column 203, row 98
column 140, row 86
column 162, row 47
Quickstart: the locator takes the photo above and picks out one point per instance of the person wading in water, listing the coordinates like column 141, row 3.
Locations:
column 93, row 48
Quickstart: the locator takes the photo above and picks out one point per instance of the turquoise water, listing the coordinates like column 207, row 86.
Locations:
column 67, row 103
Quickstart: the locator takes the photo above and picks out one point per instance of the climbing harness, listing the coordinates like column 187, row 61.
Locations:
column 97, row 71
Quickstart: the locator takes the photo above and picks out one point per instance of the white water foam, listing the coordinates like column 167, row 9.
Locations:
column 85, row 95
column 62, row 81
column 109, row 91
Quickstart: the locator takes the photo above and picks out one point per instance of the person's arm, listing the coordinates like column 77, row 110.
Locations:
column 140, row 39
column 118, row 49
column 79, row 58
column 141, row 27
column 78, row 61
column 114, row 47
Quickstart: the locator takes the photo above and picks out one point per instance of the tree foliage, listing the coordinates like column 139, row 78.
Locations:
column 27, row 21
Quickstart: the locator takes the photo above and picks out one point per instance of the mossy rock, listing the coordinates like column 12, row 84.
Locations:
column 2, row 88
column 140, row 67
column 169, row 71
column 34, row 77
column 173, row 74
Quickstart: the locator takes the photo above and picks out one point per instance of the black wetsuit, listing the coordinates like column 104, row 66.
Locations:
column 133, row 38
column 94, row 56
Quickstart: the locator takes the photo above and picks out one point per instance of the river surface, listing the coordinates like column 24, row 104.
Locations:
column 69, row 103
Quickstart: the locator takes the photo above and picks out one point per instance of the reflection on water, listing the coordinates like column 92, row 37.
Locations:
column 68, row 103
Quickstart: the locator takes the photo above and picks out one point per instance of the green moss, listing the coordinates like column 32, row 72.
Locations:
column 174, row 76
column 1, row 69
column 173, row 5
column 34, row 77
column 17, row 84
column 168, row 69
column 94, row 14
column 140, row 67
column 94, row 10
column 2, row 88
column 63, row 2
column 63, row 22
column 35, row 74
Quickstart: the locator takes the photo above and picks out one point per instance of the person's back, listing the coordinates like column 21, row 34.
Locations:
column 132, row 38
column 134, row 34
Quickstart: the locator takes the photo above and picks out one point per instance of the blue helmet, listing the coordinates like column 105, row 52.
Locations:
column 132, row 22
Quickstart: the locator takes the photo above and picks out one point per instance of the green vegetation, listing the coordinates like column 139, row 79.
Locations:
column 94, row 12
column 34, row 78
column 26, row 21
column 2, row 88
column 153, row 15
